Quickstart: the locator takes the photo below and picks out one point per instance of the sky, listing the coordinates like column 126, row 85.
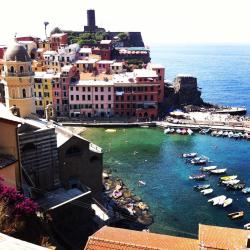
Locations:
column 160, row 21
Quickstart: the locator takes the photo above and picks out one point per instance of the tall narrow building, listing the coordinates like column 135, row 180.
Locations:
column 18, row 79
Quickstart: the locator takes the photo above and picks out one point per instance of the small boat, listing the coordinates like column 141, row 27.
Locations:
column 167, row 130
column 236, row 136
column 144, row 126
column 231, row 182
column 208, row 168
column 172, row 130
column 225, row 134
column 189, row 131
column 204, row 131
column 198, row 161
column 248, row 199
column 214, row 133
column 227, row 202
column 246, row 190
column 220, row 133
column 183, row 131
column 230, row 134
column 141, row 183
column 178, row 131
column 207, row 191
column 237, row 186
column 247, row 226
column 189, row 155
column 201, row 187
column 219, row 200
column 117, row 194
column 228, row 178
column 197, row 177
column 236, row 215
column 218, row 171
column 109, row 130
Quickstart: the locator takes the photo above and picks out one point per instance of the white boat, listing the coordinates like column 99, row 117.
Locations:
column 218, row 199
column 189, row 131
column 167, row 130
column 178, row 131
column 189, row 155
column 208, row 168
column 247, row 226
column 230, row 134
column 172, row 130
column 225, row 133
column 220, row 133
column 227, row 202
column 248, row 199
column 214, row 133
column 246, row 190
column 141, row 183
column 231, row 182
column 218, row 171
column 207, row 191
column 221, row 200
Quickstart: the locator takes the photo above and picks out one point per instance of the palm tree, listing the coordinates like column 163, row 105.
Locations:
column 45, row 26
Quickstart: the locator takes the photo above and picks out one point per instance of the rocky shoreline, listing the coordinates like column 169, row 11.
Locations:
column 125, row 203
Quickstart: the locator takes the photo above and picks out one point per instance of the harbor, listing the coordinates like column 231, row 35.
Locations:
column 158, row 154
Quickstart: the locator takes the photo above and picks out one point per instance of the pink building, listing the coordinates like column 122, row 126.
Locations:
column 60, row 89
column 104, row 66
column 57, row 40
column 91, row 98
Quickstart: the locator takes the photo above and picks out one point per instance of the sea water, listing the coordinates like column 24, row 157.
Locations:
column 149, row 155
column 222, row 70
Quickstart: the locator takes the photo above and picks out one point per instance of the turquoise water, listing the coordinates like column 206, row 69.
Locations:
column 176, row 207
column 222, row 71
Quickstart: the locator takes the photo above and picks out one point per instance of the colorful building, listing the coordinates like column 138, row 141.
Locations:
column 91, row 98
column 58, row 40
column 43, row 90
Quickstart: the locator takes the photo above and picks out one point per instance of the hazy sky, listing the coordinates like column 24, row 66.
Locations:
column 160, row 21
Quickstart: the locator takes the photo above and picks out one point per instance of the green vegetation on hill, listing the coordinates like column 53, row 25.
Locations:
column 86, row 38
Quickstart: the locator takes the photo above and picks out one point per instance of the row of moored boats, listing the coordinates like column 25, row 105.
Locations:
column 231, row 182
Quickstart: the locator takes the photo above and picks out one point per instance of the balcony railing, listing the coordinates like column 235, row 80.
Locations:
column 18, row 74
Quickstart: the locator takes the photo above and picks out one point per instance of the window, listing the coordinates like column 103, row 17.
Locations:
column 145, row 97
column 122, row 106
column 128, row 106
column 139, row 97
column 152, row 88
column 21, row 69
column 89, row 97
column 39, row 86
column 109, row 97
column 36, row 103
column 102, row 97
column 46, row 86
column 40, row 103
column 77, row 88
column 128, row 97
column 77, row 97
column 109, row 106
column 117, row 106
column 64, row 87
column 102, row 106
column 89, row 89
column 109, row 89
column 96, row 106
column 24, row 93
column 102, row 89
column 96, row 89
column 72, row 98
column 57, row 101
column 12, row 69
column 96, row 97
column 152, row 97
column 83, row 89
column 71, row 88
column 83, row 97
column 134, row 97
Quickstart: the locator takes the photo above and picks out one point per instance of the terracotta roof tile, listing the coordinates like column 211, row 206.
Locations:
column 123, row 239
column 212, row 237
column 90, row 76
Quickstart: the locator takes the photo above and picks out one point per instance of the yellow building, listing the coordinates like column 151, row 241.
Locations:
column 17, row 78
column 9, row 148
column 43, row 90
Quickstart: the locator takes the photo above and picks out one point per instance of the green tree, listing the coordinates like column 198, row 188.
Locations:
column 123, row 35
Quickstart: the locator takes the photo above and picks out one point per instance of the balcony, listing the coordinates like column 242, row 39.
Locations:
column 18, row 74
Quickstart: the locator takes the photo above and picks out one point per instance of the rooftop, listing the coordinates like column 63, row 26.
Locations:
column 117, row 238
column 59, row 197
column 58, row 35
column 5, row 114
column 155, row 66
column 94, row 83
column 106, row 62
column 90, row 61
column 7, row 242
column 85, row 50
column 213, row 237
column 91, row 76
column 105, row 41
column 145, row 73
